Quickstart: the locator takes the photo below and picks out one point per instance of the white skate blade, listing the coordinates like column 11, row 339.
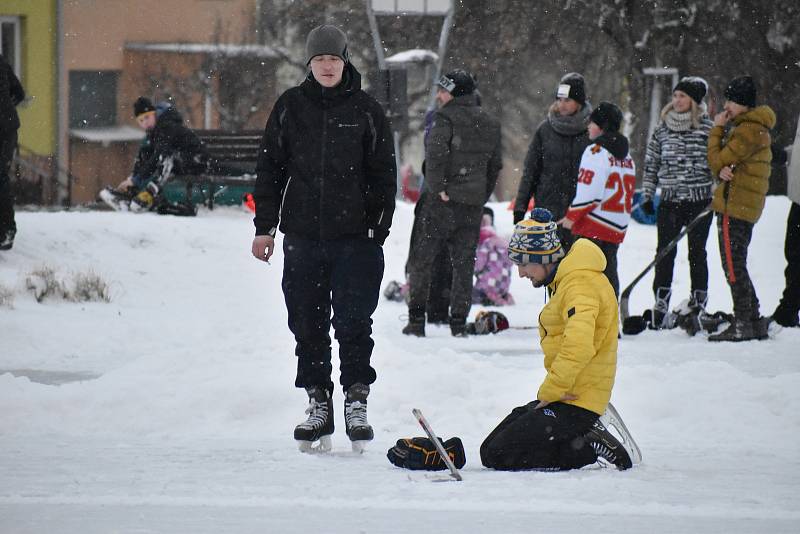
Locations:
column 112, row 201
column 323, row 445
column 359, row 446
column 612, row 419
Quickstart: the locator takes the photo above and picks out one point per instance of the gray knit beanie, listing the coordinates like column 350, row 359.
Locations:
column 326, row 39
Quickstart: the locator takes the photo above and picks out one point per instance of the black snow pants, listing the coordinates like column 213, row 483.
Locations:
column 455, row 227
column 672, row 218
column 733, row 251
column 8, row 144
column 549, row 438
column 610, row 252
column 790, row 301
column 340, row 275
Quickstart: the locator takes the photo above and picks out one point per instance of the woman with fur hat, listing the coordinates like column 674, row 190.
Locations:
column 677, row 162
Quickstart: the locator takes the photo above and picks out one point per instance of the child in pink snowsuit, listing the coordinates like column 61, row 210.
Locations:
column 492, row 266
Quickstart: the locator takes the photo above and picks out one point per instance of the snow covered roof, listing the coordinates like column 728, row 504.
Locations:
column 417, row 55
column 111, row 134
column 229, row 50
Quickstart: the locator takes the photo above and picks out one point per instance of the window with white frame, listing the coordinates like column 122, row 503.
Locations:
column 10, row 40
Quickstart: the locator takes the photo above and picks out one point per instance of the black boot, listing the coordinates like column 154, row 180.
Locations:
column 416, row 324
column 319, row 425
column 7, row 239
column 743, row 330
column 607, row 447
column 458, row 326
column 355, row 415
column 784, row 316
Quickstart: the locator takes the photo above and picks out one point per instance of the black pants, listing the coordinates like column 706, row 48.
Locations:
column 438, row 304
column 455, row 227
column 549, row 438
column 342, row 275
column 610, row 252
column 790, row 301
column 8, row 144
column 672, row 218
column 733, row 252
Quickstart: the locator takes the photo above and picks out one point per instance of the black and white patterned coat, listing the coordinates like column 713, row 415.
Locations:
column 677, row 161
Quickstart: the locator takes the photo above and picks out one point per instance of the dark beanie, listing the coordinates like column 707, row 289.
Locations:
column 326, row 39
column 572, row 85
column 742, row 90
column 142, row 105
column 694, row 87
column 607, row 116
column 458, row 82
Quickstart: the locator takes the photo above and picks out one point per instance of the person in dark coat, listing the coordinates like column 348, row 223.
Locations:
column 463, row 158
column 11, row 94
column 327, row 174
column 168, row 148
column 550, row 174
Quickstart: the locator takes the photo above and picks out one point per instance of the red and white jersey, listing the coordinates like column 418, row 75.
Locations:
column 602, row 205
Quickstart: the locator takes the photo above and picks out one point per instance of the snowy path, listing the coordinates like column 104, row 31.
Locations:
column 170, row 409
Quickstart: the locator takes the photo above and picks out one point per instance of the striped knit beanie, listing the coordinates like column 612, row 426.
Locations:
column 535, row 240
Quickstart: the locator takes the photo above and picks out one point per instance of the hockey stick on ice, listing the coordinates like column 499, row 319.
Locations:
column 626, row 293
column 429, row 431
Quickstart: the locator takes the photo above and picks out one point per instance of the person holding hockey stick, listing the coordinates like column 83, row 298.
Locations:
column 326, row 171
column 677, row 161
column 562, row 429
column 601, row 208
column 741, row 159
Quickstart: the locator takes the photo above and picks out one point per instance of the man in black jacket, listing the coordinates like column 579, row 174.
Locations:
column 327, row 172
column 463, row 158
column 169, row 147
column 11, row 94
column 550, row 175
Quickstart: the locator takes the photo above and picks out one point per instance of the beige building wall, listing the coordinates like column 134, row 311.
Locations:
column 95, row 31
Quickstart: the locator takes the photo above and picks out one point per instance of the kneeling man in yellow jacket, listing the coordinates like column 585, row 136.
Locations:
column 578, row 328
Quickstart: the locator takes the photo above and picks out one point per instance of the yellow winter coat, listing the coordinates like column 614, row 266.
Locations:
column 748, row 149
column 578, row 330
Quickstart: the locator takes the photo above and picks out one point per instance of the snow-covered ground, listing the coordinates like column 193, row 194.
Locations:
column 171, row 408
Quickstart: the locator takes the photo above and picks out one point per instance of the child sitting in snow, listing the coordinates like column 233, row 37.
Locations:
column 492, row 266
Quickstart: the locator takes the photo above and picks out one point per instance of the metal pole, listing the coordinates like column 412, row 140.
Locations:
column 446, row 25
column 376, row 36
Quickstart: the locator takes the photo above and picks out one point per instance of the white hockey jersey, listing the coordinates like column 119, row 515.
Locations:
column 601, row 208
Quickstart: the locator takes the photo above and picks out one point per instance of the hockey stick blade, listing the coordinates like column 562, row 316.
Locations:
column 626, row 293
column 432, row 436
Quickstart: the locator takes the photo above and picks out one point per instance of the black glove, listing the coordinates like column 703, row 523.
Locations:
column 421, row 454
column 518, row 216
column 647, row 207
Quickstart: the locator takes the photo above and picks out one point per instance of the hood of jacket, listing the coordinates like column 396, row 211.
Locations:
column 614, row 142
column 762, row 115
column 583, row 256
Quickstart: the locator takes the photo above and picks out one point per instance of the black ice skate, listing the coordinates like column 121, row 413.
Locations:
column 319, row 425
column 608, row 447
column 355, row 416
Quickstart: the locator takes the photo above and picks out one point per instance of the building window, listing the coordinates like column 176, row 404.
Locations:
column 10, row 42
column 92, row 98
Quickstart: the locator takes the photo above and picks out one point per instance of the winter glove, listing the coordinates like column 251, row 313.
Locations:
column 488, row 322
column 421, row 454
column 518, row 216
column 648, row 207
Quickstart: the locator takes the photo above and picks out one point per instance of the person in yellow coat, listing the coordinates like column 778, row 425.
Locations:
column 578, row 327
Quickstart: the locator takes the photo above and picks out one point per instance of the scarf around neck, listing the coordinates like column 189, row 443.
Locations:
column 570, row 124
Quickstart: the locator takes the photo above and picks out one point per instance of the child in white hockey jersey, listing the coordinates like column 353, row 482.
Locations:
column 601, row 208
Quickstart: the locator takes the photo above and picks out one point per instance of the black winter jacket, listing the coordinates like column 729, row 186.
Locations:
column 463, row 152
column 169, row 137
column 11, row 94
column 550, row 175
column 326, row 167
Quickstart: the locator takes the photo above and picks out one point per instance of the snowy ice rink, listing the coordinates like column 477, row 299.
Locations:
column 171, row 408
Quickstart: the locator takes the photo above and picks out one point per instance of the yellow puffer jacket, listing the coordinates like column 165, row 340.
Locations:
column 578, row 330
column 748, row 148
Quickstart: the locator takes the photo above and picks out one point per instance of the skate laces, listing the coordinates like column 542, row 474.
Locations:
column 317, row 414
column 356, row 413
column 603, row 451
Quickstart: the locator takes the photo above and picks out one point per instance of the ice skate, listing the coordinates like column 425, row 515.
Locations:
column 314, row 434
column 116, row 200
column 355, row 416
column 607, row 447
column 612, row 419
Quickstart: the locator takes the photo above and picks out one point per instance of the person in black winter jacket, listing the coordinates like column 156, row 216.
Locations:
column 463, row 158
column 550, row 174
column 326, row 177
column 169, row 148
column 11, row 94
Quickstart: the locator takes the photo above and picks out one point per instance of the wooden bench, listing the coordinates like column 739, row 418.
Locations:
column 236, row 153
